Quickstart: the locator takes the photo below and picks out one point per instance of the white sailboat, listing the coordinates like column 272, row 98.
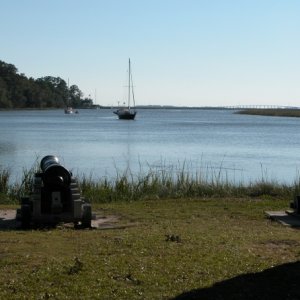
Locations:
column 128, row 113
column 69, row 109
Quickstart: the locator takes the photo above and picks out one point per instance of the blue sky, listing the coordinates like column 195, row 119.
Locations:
column 183, row 52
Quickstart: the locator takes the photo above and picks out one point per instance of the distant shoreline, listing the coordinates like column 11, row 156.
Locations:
column 136, row 107
column 276, row 112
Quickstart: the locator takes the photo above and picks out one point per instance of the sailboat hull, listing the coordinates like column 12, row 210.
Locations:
column 125, row 114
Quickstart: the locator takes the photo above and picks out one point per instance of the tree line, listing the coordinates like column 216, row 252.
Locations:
column 18, row 91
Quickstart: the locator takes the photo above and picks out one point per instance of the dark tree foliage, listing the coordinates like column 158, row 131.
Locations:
column 18, row 91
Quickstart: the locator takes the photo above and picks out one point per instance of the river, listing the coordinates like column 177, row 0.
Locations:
column 209, row 143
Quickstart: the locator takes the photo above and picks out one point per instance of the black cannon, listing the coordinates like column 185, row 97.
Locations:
column 295, row 205
column 55, row 198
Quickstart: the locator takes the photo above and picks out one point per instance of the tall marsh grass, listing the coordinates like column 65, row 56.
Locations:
column 166, row 183
column 10, row 193
column 159, row 183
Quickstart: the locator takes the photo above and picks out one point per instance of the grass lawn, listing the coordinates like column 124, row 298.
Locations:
column 166, row 249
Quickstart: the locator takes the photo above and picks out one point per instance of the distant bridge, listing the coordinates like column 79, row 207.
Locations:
column 260, row 107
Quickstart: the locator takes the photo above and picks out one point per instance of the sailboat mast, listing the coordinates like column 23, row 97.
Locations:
column 68, row 100
column 129, row 77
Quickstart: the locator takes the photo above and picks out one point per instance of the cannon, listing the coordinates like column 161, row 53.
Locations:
column 55, row 198
column 295, row 205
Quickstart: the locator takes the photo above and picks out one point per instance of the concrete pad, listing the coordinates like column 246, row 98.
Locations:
column 285, row 218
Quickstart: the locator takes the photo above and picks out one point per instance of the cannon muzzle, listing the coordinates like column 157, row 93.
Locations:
column 54, row 173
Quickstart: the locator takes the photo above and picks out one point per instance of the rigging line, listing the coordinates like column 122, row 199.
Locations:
column 132, row 90
column 129, row 78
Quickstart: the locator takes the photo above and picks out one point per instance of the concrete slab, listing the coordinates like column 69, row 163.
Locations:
column 285, row 218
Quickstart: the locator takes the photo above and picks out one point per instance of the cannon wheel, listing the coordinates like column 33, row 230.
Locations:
column 25, row 216
column 86, row 220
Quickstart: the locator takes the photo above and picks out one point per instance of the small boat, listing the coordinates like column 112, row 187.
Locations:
column 69, row 110
column 128, row 113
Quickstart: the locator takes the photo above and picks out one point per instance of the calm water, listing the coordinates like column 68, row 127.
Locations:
column 94, row 142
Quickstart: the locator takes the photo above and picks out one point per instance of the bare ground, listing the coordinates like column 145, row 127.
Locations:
column 8, row 221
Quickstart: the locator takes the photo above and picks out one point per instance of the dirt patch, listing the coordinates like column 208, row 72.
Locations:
column 8, row 221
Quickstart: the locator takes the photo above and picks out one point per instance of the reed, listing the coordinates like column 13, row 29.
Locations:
column 160, row 183
column 4, row 178
column 165, row 184
column 10, row 193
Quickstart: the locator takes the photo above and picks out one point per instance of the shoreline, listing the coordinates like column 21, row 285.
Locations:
column 166, row 107
column 155, row 186
column 276, row 112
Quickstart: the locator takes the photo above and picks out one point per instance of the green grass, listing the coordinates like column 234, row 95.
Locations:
column 214, row 240
column 179, row 233
column 271, row 112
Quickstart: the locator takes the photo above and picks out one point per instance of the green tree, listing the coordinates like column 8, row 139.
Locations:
column 75, row 95
column 18, row 91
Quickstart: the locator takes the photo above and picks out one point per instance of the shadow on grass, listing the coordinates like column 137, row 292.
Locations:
column 278, row 283
column 8, row 221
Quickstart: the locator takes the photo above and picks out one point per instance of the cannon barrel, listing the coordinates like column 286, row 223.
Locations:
column 53, row 172
column 55, row 198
